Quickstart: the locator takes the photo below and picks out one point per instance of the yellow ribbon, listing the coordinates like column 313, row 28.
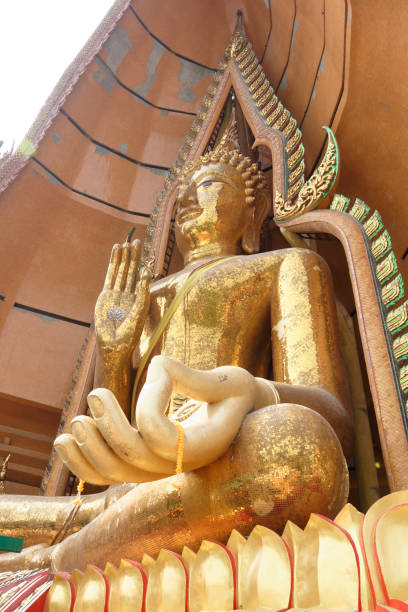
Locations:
column 181, row 293
column 76, row 504
column 80, row 488
column 180, row 452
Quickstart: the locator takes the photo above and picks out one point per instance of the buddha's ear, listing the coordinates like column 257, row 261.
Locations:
column 256, row 215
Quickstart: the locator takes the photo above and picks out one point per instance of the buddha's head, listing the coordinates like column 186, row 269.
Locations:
column 223, row 200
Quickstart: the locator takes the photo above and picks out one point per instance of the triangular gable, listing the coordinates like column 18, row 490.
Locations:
column 270, row 122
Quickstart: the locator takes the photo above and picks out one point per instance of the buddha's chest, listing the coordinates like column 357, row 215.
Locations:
column 222, row 319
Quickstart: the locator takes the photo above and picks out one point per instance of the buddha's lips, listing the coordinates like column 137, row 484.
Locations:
column 192, row 212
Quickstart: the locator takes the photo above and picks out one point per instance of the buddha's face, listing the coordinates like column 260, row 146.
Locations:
column 211, row 207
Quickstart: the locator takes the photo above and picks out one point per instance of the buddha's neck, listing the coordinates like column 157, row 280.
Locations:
column 211, row 250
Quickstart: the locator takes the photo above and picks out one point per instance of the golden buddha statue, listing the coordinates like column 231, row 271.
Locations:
column 253, row 451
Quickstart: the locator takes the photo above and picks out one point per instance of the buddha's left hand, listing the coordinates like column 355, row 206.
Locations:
column 107, row 448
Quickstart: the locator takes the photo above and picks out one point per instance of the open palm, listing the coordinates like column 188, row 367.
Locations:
column 122, row 305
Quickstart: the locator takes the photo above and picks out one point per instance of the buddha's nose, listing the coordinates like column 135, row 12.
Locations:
column 188, row 195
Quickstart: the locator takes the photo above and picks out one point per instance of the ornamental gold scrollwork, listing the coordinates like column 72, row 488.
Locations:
column 315, row 189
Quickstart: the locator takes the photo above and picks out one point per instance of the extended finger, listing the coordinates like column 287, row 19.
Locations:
column 133, row 272
column 142, row 291
column 124, row 439
column 75, row 461
column 123, row 268
column 113, row 267
column 98, row 453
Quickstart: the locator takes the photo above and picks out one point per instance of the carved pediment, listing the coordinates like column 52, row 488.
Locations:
column 271, row 124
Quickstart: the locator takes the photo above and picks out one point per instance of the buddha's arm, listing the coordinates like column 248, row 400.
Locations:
column 113, row 372
column 306, row 343
column 120, row 312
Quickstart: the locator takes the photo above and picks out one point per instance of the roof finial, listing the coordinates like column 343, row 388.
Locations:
column 238, row 38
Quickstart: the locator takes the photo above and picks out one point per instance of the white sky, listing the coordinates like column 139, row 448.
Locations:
column 38, row 40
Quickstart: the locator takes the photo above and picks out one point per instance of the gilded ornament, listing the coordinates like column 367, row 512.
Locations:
column 271, row 104
column 404, row 378
column 201, row 114
column 267, row 95
column 340, row 203
column 359, row 210
column 293, row 190
column 242, row 55
column 400, row 347
column 381, row 245
column 293, row 141
column 291, row 126
column 254, row 79
column 373, row 225
column 281, row 122
column 315, row 190
column 254, row 75
column 236, row 43
column 274, row 115
column 386, row 268
column 393, row 291
column 294, row 175
column 261, row 94
column 247, row 61
column 250, row 68
column 397, row 319
column 294, row 158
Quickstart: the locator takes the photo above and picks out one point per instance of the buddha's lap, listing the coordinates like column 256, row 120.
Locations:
column 285, row 463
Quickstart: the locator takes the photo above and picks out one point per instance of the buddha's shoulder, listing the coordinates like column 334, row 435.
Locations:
column 271, row 259
column 258, row 263
column 265, row 266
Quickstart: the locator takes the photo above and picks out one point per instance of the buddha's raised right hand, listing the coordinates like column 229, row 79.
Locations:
column 122, row 305
column 107, row 448
column 120, row 314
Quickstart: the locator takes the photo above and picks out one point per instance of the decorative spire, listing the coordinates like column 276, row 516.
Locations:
column 238, row 39
column 229, row 140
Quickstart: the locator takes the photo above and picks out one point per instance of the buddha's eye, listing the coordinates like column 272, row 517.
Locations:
column 207, row 184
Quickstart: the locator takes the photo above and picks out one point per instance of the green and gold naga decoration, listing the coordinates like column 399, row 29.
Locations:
column 389, row 286
column 315, row 190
